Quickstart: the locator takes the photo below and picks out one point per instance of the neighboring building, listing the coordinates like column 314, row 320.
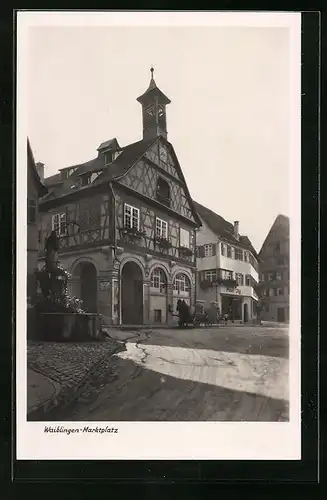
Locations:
column 274, row 272
column 227, row 266
column 35, row 190
column 126, row 225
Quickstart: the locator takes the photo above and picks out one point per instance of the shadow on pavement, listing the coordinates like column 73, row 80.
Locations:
column 123, row 391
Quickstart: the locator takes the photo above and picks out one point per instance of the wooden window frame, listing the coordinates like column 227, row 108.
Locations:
column 210, row 275
column 131, row 216
column 189, row 237
column 185, row 281
column 61, row 226
column 163, row 228
column 156, row 279
column 208, row 250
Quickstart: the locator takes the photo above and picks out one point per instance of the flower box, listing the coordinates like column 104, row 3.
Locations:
column 132, row 232
column 205, row 284
column 162, row 242
column 228, row 283
column 185, row 252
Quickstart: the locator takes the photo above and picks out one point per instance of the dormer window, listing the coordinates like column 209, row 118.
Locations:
column 108, row 157
column 163, row 191
column 85, row 179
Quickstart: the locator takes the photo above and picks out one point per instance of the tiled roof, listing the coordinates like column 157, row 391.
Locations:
column 111, row 143
column 52, row 180
column 31, row 163
column 151, row 90
column 280, row 225
column 222, row 227
column 129, row 155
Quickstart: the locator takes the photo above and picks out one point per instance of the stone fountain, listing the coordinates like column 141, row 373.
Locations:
column 59, row 316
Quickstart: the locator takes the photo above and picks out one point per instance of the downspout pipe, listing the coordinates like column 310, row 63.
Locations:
column 114, row 219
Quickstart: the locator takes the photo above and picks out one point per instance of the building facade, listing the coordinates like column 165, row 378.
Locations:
column 227, row 266
column 126, row 225
column 274, row 272
column 35, row 190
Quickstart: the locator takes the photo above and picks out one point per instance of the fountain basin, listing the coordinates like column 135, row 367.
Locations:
column 68, row 326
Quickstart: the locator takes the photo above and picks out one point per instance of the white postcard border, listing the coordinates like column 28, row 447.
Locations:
column 161, row 440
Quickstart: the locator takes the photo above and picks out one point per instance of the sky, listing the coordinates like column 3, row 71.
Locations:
column 228, row 121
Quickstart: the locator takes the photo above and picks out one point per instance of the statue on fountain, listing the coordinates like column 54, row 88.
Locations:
column 53, row 282
column 61, row 317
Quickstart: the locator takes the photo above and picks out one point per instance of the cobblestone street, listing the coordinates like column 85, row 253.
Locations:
column 226, row 373
column 66, row 365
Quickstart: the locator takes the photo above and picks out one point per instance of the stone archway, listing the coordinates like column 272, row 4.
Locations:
column 182, row 289
column 131, row 294
column 158, row 295
column 88, row 289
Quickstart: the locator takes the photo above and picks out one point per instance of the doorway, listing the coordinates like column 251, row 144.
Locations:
column 87, row 274
column 280, row 315
column 132, row 294
column 232, row 307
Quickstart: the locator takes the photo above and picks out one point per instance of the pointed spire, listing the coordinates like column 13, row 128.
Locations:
column 153, row 87
column 152, row 82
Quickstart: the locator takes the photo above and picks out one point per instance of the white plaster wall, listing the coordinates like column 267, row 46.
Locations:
column 158, row 301
column 205, row 236
column 238, row 266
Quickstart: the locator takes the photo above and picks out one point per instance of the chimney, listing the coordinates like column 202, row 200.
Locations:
column 40, row 170
column 236, row 229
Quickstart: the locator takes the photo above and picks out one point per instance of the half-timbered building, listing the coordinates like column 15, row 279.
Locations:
column 126, row 225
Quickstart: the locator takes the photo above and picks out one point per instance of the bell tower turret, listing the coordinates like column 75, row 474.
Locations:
column 154, row 104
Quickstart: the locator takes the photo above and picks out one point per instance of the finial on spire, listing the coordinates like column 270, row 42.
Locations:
column 152, row 71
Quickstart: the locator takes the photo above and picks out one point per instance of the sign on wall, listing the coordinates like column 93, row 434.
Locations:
column 104, row 285
column 232, row 291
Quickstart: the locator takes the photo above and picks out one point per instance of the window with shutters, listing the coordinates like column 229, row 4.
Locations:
column 229, row 251
column 226, row 275
column 59, row 223
column 238, row 254
column 131, row 217
column 223, row 249
column 248, row 280
column 246, row 257
column 208, row 250
column 239, row 279
column 184, row 238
